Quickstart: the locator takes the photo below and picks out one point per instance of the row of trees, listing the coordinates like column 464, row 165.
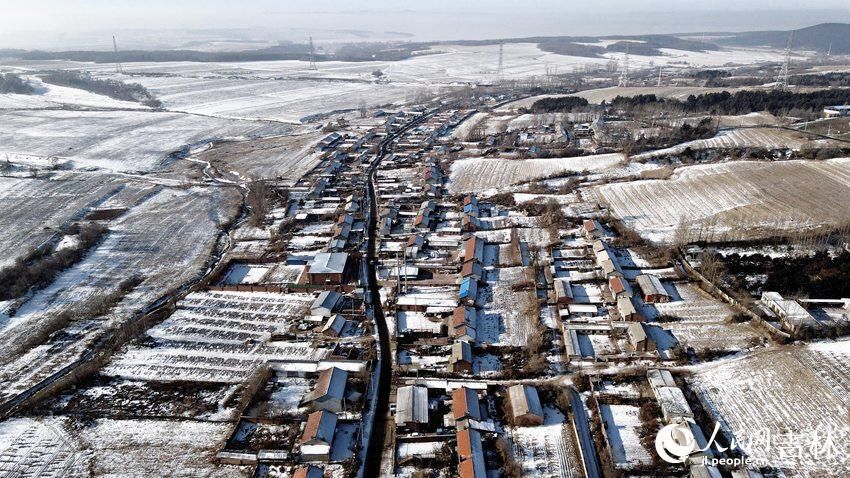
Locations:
column 111, row 88
column 742, row 102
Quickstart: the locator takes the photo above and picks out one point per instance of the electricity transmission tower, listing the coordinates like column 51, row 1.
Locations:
column 500, row 69
column 624, row 74
column 312, row 56
column 782, row 79
column 117, row 59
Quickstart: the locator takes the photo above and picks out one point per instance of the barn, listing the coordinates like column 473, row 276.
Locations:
column 525, row 406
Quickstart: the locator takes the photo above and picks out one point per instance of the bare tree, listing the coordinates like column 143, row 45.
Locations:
column 257, row 201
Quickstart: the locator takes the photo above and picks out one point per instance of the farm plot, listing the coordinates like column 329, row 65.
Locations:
column 166, row 241
column 764, row 138
column 466, row 128
column 704, row 322
column 218, row 337
column 783, row 406
column 267, row 99
column 42, row 448
column 115, row 140
column 622, row 423
column 287, row 157
column 480, row 174
column 32, row 209
column 507, row 314
column 549, row 450
column 739, row 200
column 155, row 448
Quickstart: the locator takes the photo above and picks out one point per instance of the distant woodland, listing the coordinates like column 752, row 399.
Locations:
column 12, row 83
column 111, row 88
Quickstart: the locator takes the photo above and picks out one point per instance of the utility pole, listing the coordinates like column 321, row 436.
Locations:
column 782, row 79
column 624, row 74
column 118, row 68
column 312, row 56
column 659, row 75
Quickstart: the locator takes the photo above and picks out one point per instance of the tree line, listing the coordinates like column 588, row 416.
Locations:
column 111, row 88
column 12, row 83
column 747, row 101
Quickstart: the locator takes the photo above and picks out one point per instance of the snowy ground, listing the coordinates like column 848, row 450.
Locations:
column 787, row 407
column 114, row 140
column 167, row 239
column 479, row 174
column 718, row 199
column 549, row 450
column 218, row 337
column 622, row 423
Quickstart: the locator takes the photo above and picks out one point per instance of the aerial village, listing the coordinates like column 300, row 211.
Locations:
column 445, row 295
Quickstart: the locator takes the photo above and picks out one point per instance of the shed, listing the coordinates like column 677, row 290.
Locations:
column 326, row 303
column 327, row 268
column 411, row 407
column 461, row 357
column 465, row 404
column 320, row 428
column 627, row 310
column 563, row 291
column 592, row 229
column 472, row 269
column 334, row 326
column 525, row 405
column 470, row 452
column 468, row 290
column 659, row 378
column 652, row 289
column 473, row 249
column 464, row 321
column 674, row 406
column 330, row 390
column 619, row 287
column 638, row 338
column 309, row 471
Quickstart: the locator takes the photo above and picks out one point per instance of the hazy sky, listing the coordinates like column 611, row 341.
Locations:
column 82, row 23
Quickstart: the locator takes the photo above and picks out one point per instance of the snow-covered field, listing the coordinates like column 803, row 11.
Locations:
column 115, row 140
column 704, row 321
column 548, row 450
column 31, row 209
column 54, row 96
column 622, row 423
column 766, row 138
column 479, row 174
column 289, row 156
column 55, row 448
column 165, row 240
column 505, row 316
column 218, row 337
column 742, row 199
column 786, row 406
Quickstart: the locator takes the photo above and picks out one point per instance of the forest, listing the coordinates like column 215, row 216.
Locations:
column 742, row 102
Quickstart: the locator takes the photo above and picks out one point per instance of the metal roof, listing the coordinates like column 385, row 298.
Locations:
column 329, row 263
column 524, row 400
column 411, row 405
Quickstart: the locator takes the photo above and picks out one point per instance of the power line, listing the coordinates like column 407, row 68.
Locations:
column 624, row 74
column 312, row 56
column 500, row 69
column 117, row 59
column 782, row 79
